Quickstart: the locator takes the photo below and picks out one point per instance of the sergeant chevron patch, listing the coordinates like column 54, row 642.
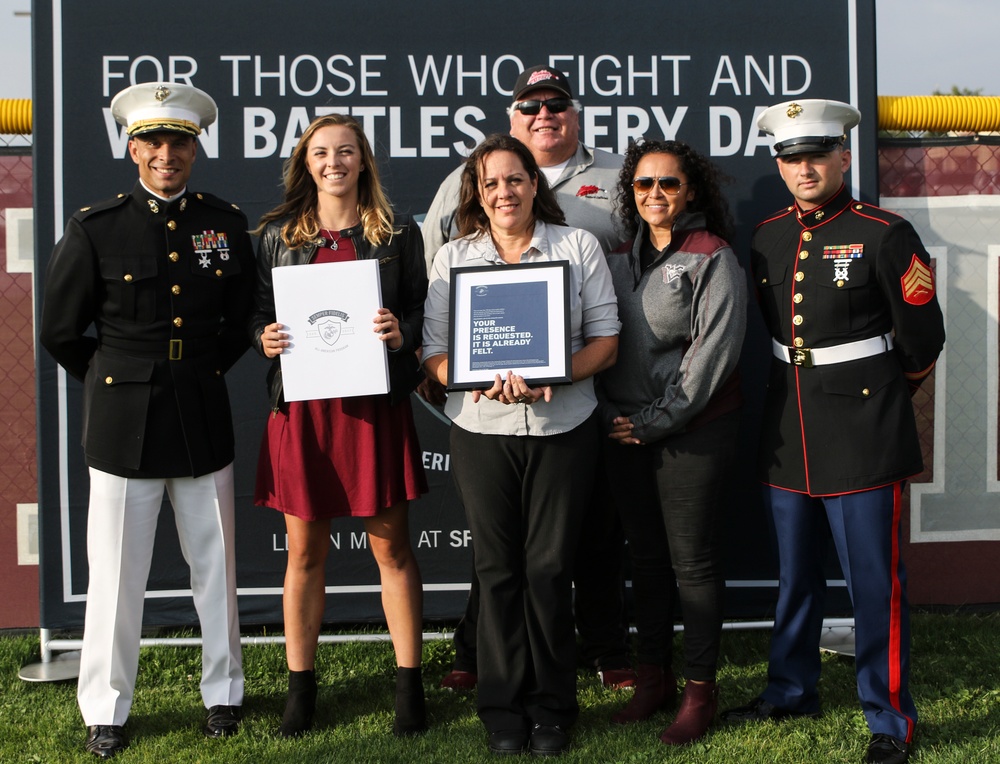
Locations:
column 917, row 282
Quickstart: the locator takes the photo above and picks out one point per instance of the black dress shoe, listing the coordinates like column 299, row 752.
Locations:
column 223, row 721
column 759, row 710
column 548, row 740
column 885, row 749
column 106, row 740
column 508, row 742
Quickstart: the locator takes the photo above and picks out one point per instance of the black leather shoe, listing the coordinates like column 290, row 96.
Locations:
column 106, row 740
column 548, row 740
column 885, row 749
column 759, row 710
column 508, row 742
column 223, row 721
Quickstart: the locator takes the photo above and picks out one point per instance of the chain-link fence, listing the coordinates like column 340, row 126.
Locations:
column 922, row 166
column 946, row 166
column 18, row 470
column 960, row 504
column 932, row 166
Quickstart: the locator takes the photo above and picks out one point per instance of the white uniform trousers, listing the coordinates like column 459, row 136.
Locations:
column 120, row 531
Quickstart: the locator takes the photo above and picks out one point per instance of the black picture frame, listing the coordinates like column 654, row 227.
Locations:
column 509, row 318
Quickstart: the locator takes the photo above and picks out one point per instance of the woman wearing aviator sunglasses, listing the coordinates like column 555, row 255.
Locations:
column 671, row 405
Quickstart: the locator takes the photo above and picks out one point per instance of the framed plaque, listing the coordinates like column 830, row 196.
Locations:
column 509, row 318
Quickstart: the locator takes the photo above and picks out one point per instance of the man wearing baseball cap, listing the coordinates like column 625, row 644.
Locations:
column 164, row 275
column 847, row 292
column 545, row 117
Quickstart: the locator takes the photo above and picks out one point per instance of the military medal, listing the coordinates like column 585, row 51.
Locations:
column 840, row 251
column 207, row 242
column 842, row 256
column 840, row 271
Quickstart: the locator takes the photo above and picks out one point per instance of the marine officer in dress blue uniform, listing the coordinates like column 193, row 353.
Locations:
column 847, row 292
column 164, row 276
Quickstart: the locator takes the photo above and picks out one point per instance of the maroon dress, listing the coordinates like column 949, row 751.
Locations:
column 339, row 457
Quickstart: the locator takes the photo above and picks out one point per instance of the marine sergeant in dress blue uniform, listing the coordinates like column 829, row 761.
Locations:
column 165, row 277
column 847, row 292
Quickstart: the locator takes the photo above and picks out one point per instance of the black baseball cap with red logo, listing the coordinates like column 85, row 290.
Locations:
column 541, row 77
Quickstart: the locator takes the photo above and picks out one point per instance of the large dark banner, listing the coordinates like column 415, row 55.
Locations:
column 427, row 80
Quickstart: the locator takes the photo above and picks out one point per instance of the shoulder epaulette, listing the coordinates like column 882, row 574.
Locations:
column 221, row 204
column 783, row 212
column 872, row 211
column 106, row 204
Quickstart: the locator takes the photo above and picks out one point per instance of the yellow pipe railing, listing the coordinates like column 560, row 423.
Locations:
column 15, row 116
column 941, row 114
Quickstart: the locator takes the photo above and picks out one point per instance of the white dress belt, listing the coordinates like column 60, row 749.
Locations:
column 849, row 351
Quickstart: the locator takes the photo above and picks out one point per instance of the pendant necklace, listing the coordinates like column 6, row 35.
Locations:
column 326, row 239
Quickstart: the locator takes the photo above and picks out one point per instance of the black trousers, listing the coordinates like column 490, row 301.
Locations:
column 670, row 496
column 525, row 500
column 599, row 590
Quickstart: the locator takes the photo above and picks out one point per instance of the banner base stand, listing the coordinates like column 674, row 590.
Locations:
column 61, row 668
column 838, row 639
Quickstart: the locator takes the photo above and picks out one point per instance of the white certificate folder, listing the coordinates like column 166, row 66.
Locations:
column 327, row 310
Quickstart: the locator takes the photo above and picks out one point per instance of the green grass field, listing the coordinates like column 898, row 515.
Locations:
column 955, row 680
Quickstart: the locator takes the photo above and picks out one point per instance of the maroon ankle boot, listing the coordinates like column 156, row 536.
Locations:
column 655, row 688
column 698, row 707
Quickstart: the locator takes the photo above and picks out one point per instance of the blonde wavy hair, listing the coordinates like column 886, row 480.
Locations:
column 301, row 199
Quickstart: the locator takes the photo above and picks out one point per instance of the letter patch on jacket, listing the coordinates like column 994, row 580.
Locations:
column 917, row 282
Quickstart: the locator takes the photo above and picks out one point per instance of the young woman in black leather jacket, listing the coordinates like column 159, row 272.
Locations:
column 339, row 457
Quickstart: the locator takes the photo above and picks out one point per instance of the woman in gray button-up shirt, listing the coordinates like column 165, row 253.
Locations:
column 523, row 457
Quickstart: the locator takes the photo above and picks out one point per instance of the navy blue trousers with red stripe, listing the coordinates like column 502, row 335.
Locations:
column 865, row 527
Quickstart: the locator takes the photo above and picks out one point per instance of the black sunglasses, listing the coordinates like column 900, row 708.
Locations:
column 668, row 184
column 533, row 105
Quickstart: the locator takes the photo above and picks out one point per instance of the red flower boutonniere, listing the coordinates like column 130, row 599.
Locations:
column 588, row 190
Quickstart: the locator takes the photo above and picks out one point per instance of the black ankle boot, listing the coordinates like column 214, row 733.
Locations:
column 411, row 714
column 301, row 703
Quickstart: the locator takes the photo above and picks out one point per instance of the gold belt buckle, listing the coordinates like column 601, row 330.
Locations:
column 176, row 347
column 803, row 357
